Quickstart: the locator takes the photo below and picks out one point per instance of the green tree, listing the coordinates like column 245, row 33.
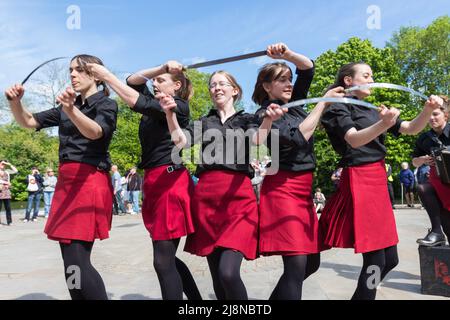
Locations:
column 423, row 55
column 200, row 103
column 25, row 148
column 125, row 148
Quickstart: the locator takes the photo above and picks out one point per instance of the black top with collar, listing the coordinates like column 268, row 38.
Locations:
column 224, row 146
column 427, row 141
column 73, row 146
column 154, row 135
column 339, row 118
column 296, row 153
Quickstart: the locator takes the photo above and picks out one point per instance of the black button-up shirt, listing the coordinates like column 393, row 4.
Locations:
column 225, row 146
column 154, row 134
column 73, row 146
column 296, row 154
column 425, row 143
column 339, row 118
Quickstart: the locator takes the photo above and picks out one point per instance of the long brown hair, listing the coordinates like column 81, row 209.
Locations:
column 348, row 70
column 186, row 90
column 446, row 106
column 268, row 73
column 82, row 60
column 232, row 81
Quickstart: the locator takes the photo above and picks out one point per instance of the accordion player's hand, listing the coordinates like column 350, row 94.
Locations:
column 428, row 160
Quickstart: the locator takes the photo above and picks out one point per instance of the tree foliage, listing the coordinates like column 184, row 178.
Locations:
column 24, row 149
column 423, row 55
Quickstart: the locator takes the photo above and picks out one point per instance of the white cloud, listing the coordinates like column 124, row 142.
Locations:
column 260, row 61
column 194, row 60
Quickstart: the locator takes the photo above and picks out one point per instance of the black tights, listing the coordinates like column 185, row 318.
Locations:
column 225, row 265
column 375, row 267
column 439, row 216
column 83, row 281
column 173, row 275
column 296, row 270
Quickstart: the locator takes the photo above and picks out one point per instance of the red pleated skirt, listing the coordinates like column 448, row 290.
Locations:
column 166, row 205
column 288, row 222
column 82, row 204
column 359, row 215
column 225, row 214
column 442, row 190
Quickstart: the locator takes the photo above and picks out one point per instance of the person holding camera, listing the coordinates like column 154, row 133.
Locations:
column 434, row 194
column 5, row 186
column 35, row 185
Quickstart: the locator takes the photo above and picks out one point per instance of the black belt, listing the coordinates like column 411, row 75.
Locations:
column 174, row 167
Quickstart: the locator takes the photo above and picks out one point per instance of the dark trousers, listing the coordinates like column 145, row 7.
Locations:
column 391, row 192
column 7, row 203
column 118, row 203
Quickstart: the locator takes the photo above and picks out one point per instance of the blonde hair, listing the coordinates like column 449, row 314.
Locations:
column 232, row 81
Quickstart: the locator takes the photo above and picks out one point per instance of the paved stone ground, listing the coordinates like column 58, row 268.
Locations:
column 31, row 266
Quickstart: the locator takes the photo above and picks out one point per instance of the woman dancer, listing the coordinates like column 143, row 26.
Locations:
column 224, row 205
column 359, row 215
column 167, row 186
column 289, row 224
column 82, row 205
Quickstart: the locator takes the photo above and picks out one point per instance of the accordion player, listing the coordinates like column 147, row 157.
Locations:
column 441, row 158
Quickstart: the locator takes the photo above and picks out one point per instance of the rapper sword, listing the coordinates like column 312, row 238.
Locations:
column 36, row 69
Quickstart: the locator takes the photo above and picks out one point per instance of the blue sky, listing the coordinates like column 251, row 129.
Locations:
column 136, row 34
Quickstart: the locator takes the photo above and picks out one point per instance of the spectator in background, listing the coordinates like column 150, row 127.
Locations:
column 124, row 193
column 319, row 200
column 257, row 178
column 266, row 162
column 5, row 188
column 407, row 180
column 336, row 178
column 134, row 186
column 49, row 190
column 35, row 185
column 390, row 180
column 423, row 174
column 116, row 179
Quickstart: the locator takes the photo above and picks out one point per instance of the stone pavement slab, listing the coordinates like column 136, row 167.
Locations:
column 31, row 266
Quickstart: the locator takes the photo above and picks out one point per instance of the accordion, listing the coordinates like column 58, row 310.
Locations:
column 442, row 160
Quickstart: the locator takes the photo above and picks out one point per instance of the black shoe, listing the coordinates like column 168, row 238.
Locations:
column 432, row 239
